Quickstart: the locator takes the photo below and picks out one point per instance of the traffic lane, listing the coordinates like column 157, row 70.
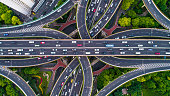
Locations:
column 84, row 33
column 27, row 62
column 52, row 34
column 105, row 18
column 93, row 6
column 17, row 80
column 157, row 13
column 81, row 16
column 77, row 87
column 63, row 77
column 105, row 51
column 67, row 87
column 88, row 79
column 84, row 43
column 101, row 9
column 139, row 33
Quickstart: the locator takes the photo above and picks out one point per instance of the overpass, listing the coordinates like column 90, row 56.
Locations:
column 86, row 47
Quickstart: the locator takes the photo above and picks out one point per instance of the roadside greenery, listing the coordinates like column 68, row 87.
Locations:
column 164, row 6
column 136, row 15
column 7, row 17
column 37, row 79
column 7, row 88
column 109, row 75
column 155, row 83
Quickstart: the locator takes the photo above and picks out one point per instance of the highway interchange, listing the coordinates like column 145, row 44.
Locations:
column 119, row 45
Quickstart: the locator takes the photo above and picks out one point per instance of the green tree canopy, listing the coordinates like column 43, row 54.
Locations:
column 126, row 4
column 31, row 70
column 124, row 21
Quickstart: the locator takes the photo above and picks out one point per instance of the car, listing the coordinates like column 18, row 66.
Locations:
column 39, row 58
column 155, row 45
column 110, row 49
column 64, row 53
column 49, row 59
column 62, row 83
column 124, row 41
column 75, row 53
column 150, row 49
column 21, row 34
column 168, row 35
column 6, row 34
column 94, row 10
column 127, row 45
column 157, row 53
column 150, row 42
column 58, row 10
column 79, row 45
column 42, row 42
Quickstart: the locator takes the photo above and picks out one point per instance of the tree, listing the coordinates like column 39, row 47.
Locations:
column 126, row 4
column 31, row 70
column 124, row 21
column 7, row 17
column 131, row 13
column 11, row 91
column 141, row 79
column 2, row 91
column 2, row 83
column 15, row 20
column 150, row 84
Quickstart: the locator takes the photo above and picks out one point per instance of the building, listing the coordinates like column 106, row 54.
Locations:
column 22, row 6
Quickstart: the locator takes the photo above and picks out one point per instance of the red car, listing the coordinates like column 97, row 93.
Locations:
column 62, row 83
column 39, row 58
column 79, row 45
column 94, row 10
column 42, row 42
column 45, row 56
column 157, row 53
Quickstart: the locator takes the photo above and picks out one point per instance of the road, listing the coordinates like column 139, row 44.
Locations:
column 132, row 75
column 44, row 33
column 63, row 77
column 105, row 18
column 27, row 62
column 17, row 80
column 81, row 21
column 156, row 13
column 88, row 76
column 96, row 47
column 77, row 85
column 131, row 63
column 142, row 32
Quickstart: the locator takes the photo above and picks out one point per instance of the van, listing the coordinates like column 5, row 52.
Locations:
column 137, row 53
